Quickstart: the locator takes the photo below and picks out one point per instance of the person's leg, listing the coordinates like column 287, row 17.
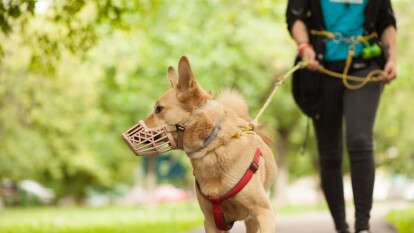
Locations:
column 360, row 107
column 328, row 129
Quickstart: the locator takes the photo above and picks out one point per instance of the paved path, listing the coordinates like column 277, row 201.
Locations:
column 320, row 222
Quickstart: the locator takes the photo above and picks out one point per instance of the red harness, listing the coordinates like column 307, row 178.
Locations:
column 218, row 214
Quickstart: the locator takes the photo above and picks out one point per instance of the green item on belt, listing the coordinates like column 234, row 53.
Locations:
column 371, row 50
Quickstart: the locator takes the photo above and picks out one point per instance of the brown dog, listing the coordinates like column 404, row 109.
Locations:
column 219, row 150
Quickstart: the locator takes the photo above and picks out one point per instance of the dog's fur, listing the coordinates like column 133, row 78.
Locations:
column 220, row 165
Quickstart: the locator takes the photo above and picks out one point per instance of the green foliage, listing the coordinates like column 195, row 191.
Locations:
column 403, row 220
column 143, row 219
column 394, row 131
column 76, row 74
column 157, row 219
column 12, row 10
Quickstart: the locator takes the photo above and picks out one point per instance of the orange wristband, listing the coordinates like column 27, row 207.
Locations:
column 302, row 47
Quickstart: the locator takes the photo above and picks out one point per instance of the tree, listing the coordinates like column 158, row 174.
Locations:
column 75, row 74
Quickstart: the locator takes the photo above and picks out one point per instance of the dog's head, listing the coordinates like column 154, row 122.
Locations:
column 174, row 109
column 180, row 100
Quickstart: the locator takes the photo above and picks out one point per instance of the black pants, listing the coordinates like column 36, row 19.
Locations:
column 355, row 111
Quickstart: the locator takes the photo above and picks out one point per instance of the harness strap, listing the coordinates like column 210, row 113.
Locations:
column 333, row 36
column 324, row 33
column 216, row 202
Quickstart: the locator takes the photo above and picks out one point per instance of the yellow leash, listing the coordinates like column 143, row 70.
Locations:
column 332, row 36
column 276, row 86
column 373, row 76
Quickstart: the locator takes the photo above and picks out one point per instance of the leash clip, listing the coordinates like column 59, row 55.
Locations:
column 180, row 128
column 338, row 37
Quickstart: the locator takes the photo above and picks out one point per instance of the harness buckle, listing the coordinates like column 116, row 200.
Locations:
column 338, row 37
column 254, row 166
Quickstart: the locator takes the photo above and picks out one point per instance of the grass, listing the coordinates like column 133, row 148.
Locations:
column 403, row 220
column 167, row 218
column 171, row 218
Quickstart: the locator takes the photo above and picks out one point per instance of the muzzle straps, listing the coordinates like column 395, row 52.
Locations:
column 154, row 141
column 180, row 135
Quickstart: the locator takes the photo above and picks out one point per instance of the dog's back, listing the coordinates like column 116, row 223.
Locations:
column 234, row 101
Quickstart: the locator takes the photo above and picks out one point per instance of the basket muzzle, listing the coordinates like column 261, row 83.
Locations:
column 150, row 141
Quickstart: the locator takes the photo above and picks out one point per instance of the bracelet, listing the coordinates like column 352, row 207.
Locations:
column 302, row 47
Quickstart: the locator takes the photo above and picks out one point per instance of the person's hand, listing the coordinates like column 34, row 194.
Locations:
column 390, row 71
column 308, row 55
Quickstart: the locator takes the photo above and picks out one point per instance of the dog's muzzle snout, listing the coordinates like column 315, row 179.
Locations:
column 150, row 141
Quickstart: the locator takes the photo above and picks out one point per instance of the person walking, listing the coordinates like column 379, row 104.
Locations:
column 328, row 33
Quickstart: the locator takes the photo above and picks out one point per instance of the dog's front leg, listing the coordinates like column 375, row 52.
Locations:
column 252, row 226
column 209, row 224
column 210, row 227
column 266, row 219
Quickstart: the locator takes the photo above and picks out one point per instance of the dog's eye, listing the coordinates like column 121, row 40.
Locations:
column 158, row 109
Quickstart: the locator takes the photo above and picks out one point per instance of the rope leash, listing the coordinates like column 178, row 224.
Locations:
column 373, row 76
column 276, row 86
column 334, row 36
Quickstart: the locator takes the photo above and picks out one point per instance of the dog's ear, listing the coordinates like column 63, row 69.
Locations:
column 185, row 75
column 172, row 76
column 189, row 93
column 197, row 131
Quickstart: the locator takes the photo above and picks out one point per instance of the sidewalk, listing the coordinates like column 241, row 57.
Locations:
column 320, row 222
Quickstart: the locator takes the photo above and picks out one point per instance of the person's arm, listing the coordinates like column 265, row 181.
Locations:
column 386, row 17
column 301, row 37
column 296, row 15
column 386, row 28
column 388, row 38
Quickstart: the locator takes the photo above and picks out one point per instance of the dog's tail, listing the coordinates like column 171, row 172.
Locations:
column 234, row 100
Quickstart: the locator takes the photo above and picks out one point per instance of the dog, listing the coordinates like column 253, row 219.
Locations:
column 215, row 135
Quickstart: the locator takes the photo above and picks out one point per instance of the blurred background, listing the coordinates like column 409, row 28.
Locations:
column 74, row 75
